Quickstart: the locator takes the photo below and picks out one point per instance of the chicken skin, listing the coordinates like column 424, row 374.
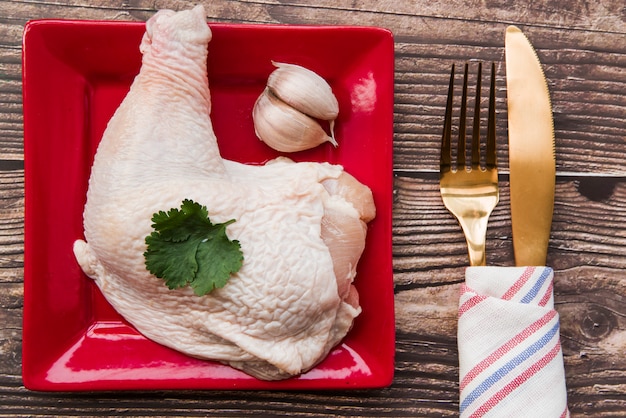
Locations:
column 301, row 226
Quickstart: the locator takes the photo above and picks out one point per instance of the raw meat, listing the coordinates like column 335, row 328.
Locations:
column 301, row 226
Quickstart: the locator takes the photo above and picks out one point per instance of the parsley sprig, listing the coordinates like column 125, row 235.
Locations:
column 186, row 248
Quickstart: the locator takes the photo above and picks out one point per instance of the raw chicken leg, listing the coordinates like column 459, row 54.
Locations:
column 301, row 226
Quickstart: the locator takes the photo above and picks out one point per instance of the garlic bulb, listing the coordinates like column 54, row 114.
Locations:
column 303, row 90
column 285, row 114
column 284, row 128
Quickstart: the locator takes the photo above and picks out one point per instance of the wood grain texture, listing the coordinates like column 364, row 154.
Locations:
column 582, row 45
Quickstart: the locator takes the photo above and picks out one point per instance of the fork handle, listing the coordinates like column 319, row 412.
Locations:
column 477, row 255
column 475, row 230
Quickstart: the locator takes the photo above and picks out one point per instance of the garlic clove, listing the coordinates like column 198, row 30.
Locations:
column 304, row 90
column 284, row 128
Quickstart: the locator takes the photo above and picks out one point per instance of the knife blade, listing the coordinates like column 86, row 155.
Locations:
column 532, row 161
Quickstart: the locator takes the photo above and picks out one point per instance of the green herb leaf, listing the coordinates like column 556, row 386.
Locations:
column 186, row 248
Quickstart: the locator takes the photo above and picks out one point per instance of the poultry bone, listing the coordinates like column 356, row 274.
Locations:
column 301, row 226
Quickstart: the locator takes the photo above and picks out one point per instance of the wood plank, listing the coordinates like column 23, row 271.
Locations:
column 589, row 291
column 11, row 226
column 576, row 63
column 582, row 47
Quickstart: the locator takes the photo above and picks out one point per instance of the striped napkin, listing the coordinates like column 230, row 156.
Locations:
column 510, row 358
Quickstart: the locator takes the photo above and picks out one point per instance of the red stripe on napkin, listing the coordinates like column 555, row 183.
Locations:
column 527, row 274
column 506, row 347
column 546, row 297
column 515, row 383
column 471, row 302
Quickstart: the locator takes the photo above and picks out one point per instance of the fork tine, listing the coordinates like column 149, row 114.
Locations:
column 460, row 156
column 491, row 121
column 470, row 193
column 445, row 158
column 476, row 127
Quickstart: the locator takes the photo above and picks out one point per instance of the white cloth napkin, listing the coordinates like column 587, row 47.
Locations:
column 510, row 358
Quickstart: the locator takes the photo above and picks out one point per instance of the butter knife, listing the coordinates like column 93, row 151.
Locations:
column 531, row 150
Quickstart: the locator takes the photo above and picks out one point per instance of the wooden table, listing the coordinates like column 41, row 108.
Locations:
column 582, row 45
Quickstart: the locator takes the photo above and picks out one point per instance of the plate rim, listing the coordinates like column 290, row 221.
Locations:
column 33, row 379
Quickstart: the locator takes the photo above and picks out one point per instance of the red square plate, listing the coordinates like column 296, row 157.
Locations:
column 75, row 74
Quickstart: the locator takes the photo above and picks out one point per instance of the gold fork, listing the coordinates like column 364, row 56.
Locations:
column 470, row 193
